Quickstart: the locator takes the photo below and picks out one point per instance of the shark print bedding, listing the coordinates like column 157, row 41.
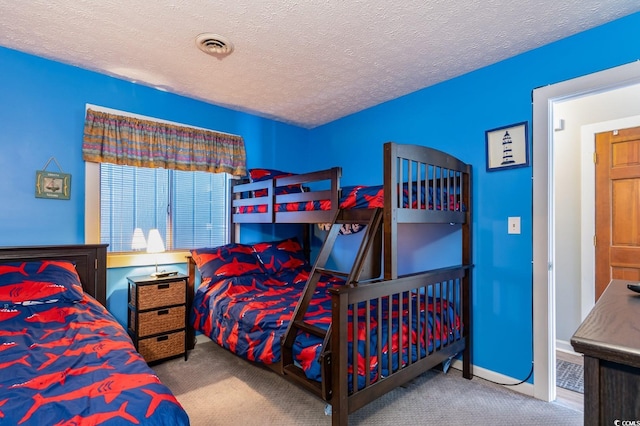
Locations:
column 65, row 360
column 246, row 308
column 367, row 197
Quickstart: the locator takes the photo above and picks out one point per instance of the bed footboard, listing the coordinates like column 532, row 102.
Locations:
column 429, row 315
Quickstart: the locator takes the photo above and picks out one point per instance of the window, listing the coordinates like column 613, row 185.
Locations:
column 190, row 209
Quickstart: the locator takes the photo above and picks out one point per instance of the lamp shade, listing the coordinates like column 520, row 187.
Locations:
column 138, row 242
column 154, row 242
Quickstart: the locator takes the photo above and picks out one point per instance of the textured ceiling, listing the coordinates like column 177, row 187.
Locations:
column 305, row 62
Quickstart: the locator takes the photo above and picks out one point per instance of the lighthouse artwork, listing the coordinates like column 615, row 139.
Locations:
column 507, row 153
column 507, row 147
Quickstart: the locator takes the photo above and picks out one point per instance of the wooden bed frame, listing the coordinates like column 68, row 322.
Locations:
column 90, row 261
column 403, row 165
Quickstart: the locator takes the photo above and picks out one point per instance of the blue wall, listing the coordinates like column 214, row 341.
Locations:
column 453, row 116
column 42, row 116
column 42, row 113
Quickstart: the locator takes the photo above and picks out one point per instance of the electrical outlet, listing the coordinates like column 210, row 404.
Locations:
column 514, row 225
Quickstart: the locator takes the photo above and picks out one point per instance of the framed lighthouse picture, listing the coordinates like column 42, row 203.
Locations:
column 507, row 147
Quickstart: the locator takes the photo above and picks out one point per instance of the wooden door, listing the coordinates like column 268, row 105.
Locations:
column 617, row 210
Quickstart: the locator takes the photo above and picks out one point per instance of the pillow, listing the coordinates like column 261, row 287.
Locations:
column 39, row 282
column 280, row 255
column 231, row 260
column 259, row 175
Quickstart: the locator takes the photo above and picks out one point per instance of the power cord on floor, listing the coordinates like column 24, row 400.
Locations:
column 513, row 384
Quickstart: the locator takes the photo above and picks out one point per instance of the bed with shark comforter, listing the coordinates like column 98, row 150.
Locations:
column 64, row 358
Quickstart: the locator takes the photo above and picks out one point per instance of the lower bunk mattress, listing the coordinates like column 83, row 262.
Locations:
column 249, row 314
column 65, row 360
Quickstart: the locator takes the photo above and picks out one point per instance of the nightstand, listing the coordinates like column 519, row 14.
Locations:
column 157, row 320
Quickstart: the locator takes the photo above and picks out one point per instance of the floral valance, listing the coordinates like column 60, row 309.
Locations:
column 117, row 139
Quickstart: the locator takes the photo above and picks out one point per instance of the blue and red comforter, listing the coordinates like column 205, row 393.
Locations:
column 249, row 314
column 65, row 360
column 368, row 197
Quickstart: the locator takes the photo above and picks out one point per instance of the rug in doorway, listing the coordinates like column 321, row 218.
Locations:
column 570, row 376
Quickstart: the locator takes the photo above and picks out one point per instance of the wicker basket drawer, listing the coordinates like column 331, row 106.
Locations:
column 154, row 322
column 165, row 346
column 157, row 295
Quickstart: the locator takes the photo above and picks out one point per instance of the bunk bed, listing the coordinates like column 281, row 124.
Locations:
column 405, row 325
column 65, row 359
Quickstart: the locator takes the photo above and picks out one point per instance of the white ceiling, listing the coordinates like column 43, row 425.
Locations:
column 305, row 62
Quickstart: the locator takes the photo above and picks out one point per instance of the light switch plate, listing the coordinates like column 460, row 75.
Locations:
column 514, row 225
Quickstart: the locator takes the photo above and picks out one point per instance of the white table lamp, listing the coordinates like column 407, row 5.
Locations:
column 155, row 245
column 138, row 242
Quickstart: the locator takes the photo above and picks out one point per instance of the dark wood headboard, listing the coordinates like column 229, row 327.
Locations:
column 90, row 261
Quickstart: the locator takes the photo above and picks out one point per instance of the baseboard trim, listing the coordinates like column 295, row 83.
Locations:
column 564, row 346
column 523, row 388
column 201, row 338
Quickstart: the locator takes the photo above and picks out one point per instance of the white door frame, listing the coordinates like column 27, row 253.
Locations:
column 544, row 305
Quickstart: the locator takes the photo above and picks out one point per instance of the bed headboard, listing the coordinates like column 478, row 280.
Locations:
column 90, row 261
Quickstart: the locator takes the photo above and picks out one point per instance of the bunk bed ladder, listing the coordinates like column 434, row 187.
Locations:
column 372, row 234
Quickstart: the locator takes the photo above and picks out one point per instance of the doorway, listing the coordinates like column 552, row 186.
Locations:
column 548, row 250
column 573, row 181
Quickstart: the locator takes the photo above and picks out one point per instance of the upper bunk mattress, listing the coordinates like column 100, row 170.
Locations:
column 369, row 197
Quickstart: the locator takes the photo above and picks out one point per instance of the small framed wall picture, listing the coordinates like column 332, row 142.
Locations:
column 53, row 185
column 507, row 147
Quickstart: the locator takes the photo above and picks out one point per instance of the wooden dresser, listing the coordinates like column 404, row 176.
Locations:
column 609, row 338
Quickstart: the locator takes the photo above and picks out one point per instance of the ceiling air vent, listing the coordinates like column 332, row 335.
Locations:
column 214, row 44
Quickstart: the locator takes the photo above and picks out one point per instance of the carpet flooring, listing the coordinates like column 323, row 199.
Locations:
column 569, row 376
column 218, row 388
